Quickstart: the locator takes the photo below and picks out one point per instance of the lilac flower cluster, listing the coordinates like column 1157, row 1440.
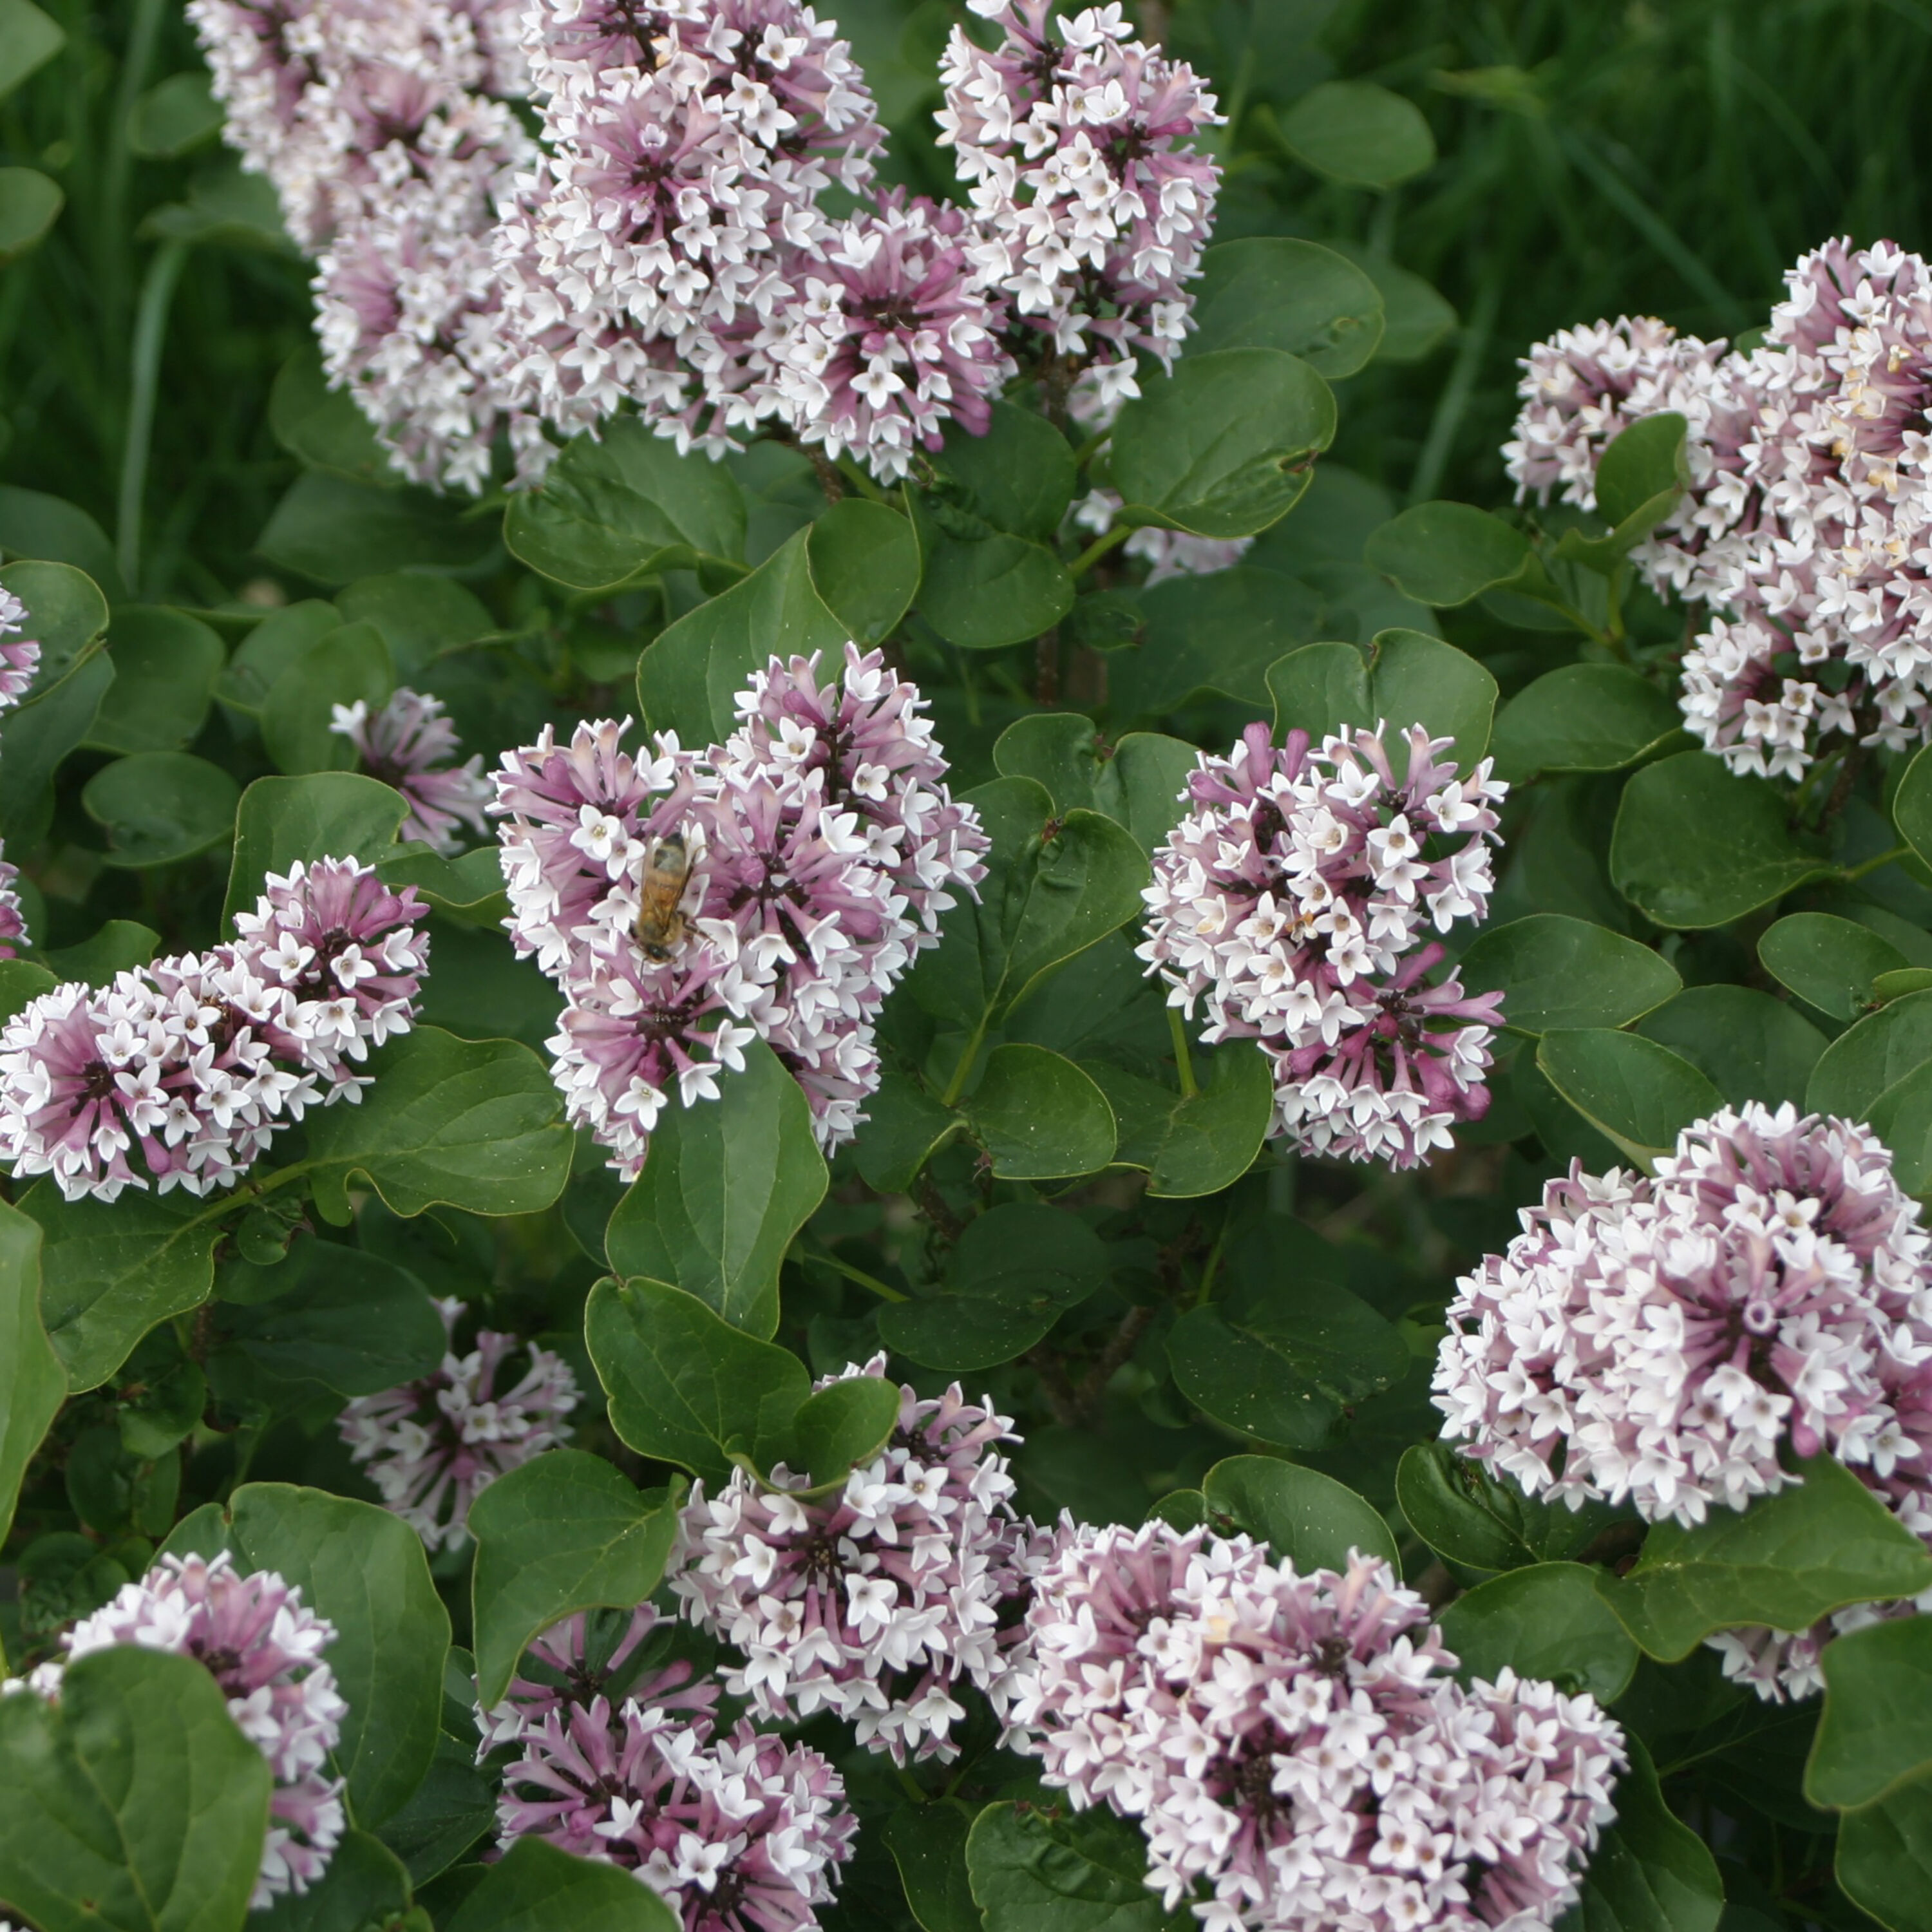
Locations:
column 1661, row 1339
column 1088, row 212
column 264, row 1646
column 1295, row 900
column 189, row 1066
column 1295, row 1746
column 376, row 126
column 1811, row 490
column 432, row 1447
column 876, row 1602
column 738, row 1832
column 19, row 659
column 410, row 744
column 822, row 846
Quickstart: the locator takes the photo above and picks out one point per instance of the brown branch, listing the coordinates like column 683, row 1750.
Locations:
column 1126, row 1338
column 1060, row 1397
column 1046, row 666
column 937, row 1208
column 829, row 480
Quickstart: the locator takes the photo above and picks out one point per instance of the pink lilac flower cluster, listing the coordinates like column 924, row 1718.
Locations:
column 179, row 1074
column 1296, row 1751
column 264, row 1646
column 377, row 125
column 1294, row 900
column 411, row 745
column 1804, row 530
column 823, row 845
column 874, row 1602
column 738, row 1831
column 19, row 659
column 1089, row 211
column 432, row 1447
column 1661, row 1339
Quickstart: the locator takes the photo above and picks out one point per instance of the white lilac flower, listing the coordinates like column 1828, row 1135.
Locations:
column 411, row 745
column 179, row 1074
column 878, row 1601
column 622, row 1763
column 1089, row 212
column 432, row 1447
column 1167, row 553
column 1663, row 1339
column 1811, row 489
column 264, row 1647
column 1295, row 901
column 1294, row 1747
column 822, row 846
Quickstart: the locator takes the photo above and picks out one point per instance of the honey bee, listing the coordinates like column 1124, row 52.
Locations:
column 660, row 928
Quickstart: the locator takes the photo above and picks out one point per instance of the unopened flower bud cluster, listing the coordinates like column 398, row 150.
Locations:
column 179, row 1074
column 1295, row 902
column 822, row 846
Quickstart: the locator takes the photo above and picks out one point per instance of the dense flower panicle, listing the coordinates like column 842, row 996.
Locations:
column 264, row 1647
column 620, row 1761
column 876, row 1602
column 1090, row 213
column 411, row 745
column 1295, row 900
column 432, row 1447
column 20, row 657
column 180, row 1073
column 1295, row 1746
column 1811, row 490
column 822, row 846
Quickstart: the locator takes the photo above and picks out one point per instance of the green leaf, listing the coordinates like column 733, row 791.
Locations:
column 1305, row 1518
column 1192, row 1144
column 1884, row 1858
column 50, row 529
column 270, row 648
column 1786, row 1561
column 66, row 613
column 1222, row 446
column 1220, row 632
column 1901, row 1116
column 1556, row 973
column 225, row 208
column 1319, row 689
column 110, row 1270
column 538, row 1888
column 842, row 1426
column 472, row 1124
column 332, row 1314
column 1267, row 292
column 1829, row 963
column 1867, row 1059
column 1641, row 1095
column 134, row 1804
column 1695, row 846
column 165, row 663
column 928, row 1842
column 564, row 1533
column 1039, row 1116
column 1013, row 1272
column 326, row 815
column 32, row 1384
column 1641, row 463
column 335, row 530
column 1652, row 1873
column 158, row 807
column 624, row 504
column 1139, row 783
column 1358, row 134
column 1415, row 679
column 730, row 1182
column 349, row 664
column 468, row 889
column 983, row 587
column 1416, row 318
column 1018, row 477
column 904, row 1126
column 1033, row 1870
column 863, row 561
column 1876, row 1732
column 1445, row 554
column 322, row 426
column 1912, row 807
column 363, row 1569
column 1280, row 1359
column 1463, row 1513
column 1895, row 984
column 687, row 678
column 1045, row 898
column 685, row 1385
column 171, row 118
column 1546, row 1621
column 1747, row 1045
column 30, row 204
column 421, row 618
column 453, row 1807
column 1583, row 718
column 365, row 1885
column 28, row 39
column 21, row 983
